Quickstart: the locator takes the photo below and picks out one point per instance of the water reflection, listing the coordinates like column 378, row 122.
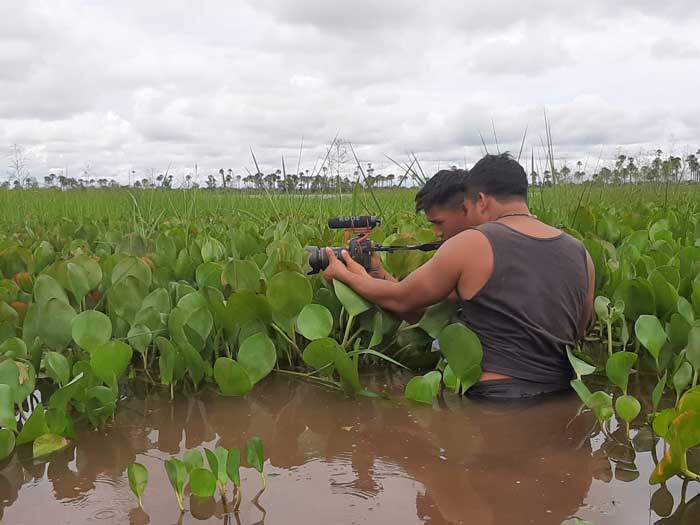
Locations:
column 333, row 460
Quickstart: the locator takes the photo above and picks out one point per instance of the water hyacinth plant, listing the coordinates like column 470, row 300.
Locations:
column 224, row 466
column 209, row 291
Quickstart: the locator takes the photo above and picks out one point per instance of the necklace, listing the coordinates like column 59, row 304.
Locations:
column 516, row 214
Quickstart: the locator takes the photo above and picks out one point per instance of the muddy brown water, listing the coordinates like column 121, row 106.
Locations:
column 333, row 460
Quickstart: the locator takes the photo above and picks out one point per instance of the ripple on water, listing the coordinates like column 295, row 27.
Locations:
column 105, row 514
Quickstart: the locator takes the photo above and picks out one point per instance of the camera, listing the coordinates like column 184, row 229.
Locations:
column 360, row 247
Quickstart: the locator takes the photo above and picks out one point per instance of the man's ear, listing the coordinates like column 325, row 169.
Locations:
column 482, row 201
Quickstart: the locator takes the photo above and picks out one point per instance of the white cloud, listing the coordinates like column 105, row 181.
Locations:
column 141, row 85
column 671, row 48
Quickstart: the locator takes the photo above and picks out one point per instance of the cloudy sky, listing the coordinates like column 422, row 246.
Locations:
column 119, row 86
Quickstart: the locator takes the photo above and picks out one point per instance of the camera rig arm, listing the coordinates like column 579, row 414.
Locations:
column 425, row 247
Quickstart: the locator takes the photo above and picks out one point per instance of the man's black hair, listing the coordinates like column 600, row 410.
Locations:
column 445, row 188
column 500, row 176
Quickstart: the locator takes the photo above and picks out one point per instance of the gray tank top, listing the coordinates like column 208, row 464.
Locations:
column 531, row 307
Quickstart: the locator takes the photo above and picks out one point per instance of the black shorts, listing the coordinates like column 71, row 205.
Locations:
column 515, row 389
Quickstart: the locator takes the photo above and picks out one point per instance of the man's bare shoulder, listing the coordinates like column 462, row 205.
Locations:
column 467, row 240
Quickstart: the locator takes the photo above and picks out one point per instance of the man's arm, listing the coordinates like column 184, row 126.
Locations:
column 427, row 285
column 587, row 319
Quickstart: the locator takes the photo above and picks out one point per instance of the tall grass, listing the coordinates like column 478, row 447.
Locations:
column 143, row 210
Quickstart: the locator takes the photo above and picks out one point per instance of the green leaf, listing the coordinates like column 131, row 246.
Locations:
column 618, row 368
column 91, row 267
column 202, row 483
column 217, row 459
column 110, row 360
column 257, row 356
column 212, row 250
column 55, row 319
column 13, row 347
column 132, row 267
column 601, row 404
column 231, row 377
column 425, row 388
column 233, row 465
column 57, row 367
column 692, row 353
column 100, row 403
column 77, row 281
column 638, row 296
column 627, row 407
column 244, row 310
column 171, row 363
column 20, row 376
column 582, row 390
column 288, row 292
column 462, row 349
column 665, row 295
column 678, row 329
column 59, row 422
column 242, row 275
column 60, row 398
column 192, row 460
column 581, row 367
column 90, row 329
column 682, row 378
column 47, row 444
column 255, row 453
column 651, row 334
column 177, row 474
column 347, row 370
column 687, row 428
column 377, row 328
column 436, row 317
column 601, row 305
column 138, row 479
column 208, row 274
column 47, row 288
column 139, row 338
column 320, row 353
column 450, row 379
column 658, row 391
column 7, row 442
column 314, row 322
column 686, row 309
column 662, row 422
column 158, row 299
column 193, row 362
column 353, row 303
column 34, row 427
column 669, row 466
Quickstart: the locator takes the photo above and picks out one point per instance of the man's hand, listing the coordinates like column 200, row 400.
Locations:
column 337, row 270
column 376, row 269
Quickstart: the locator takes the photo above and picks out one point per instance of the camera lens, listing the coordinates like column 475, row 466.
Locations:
column 318, row 259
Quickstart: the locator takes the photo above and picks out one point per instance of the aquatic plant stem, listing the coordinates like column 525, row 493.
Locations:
column 610, row 341
column 348, row 326
column 237, row 497
column 695, row 378
column 283, row 334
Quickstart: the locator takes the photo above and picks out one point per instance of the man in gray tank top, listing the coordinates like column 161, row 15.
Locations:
column 525, row 288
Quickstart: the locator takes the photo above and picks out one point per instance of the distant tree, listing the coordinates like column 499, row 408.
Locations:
column 19, row 171
column 693, row 167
